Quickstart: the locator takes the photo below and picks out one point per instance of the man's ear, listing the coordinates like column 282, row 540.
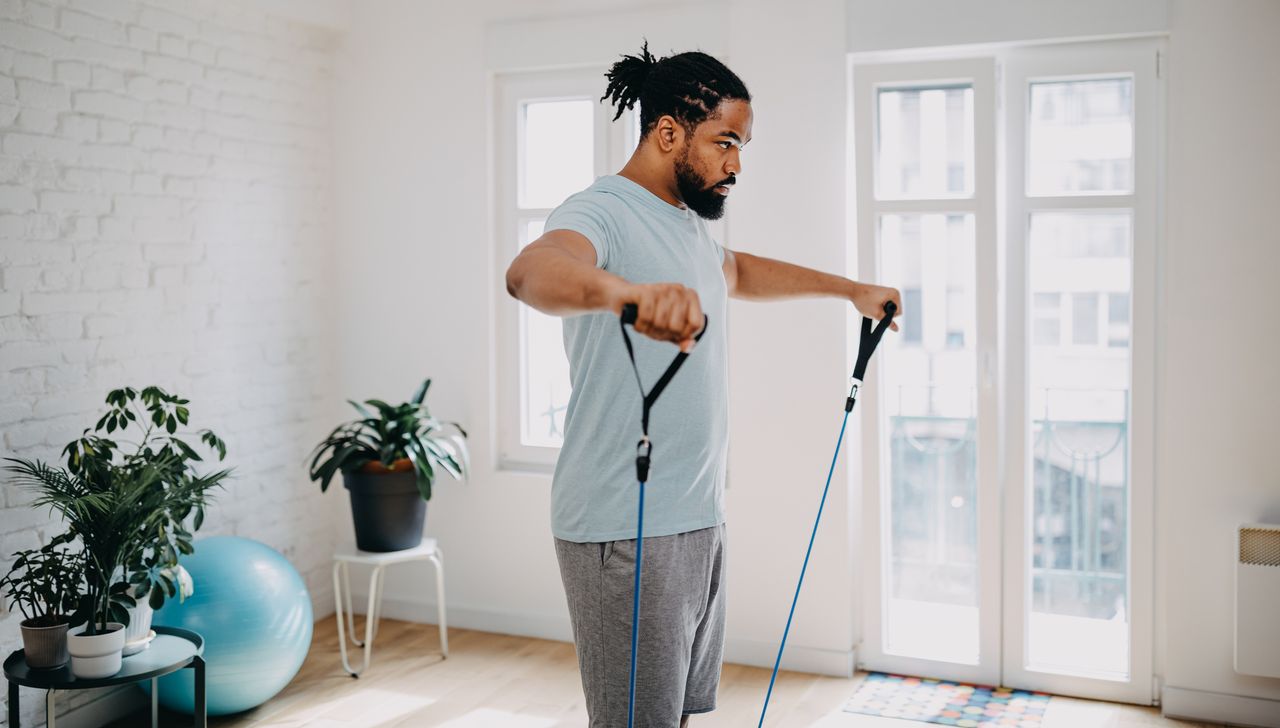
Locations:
column 669, row 133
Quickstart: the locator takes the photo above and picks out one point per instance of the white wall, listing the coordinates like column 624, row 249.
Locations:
column 164, row 200
column 1218, row 400
column 877, row 25
column 416, row 292
column 788, row 361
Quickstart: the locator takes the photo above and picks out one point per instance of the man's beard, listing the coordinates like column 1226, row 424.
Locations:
column 695, row 193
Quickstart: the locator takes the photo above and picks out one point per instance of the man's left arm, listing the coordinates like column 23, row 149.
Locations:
column 755, row 278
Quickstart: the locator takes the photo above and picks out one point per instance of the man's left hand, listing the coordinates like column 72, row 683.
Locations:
column 870, row 299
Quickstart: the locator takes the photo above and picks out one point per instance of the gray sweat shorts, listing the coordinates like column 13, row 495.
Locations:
column 681, row 624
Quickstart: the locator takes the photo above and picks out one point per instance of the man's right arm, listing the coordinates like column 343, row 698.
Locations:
column 557, row 275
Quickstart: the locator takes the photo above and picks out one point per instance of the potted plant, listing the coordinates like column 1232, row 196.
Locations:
column 388, row 463
column 128, row 509
column 138, row 634
column 44, row 584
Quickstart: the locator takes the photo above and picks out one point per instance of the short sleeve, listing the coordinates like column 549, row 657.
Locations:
column 587, row 215
column 706, row 231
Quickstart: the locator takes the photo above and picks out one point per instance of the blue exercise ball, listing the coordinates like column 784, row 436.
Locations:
column 253, row 610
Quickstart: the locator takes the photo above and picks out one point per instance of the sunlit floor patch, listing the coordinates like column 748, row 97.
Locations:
column 490, row 718
column 367, row 707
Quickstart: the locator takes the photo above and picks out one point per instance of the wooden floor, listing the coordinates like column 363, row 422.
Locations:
column 497, row 681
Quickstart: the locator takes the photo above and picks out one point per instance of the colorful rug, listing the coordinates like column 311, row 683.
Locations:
column 947, row 703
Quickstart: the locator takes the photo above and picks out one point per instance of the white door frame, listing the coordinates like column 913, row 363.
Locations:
column 1002, row 279
column 982, row 204
column 1137, row 58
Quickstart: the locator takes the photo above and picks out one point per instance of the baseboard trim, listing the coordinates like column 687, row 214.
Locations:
column 836, row 663
column 1202, row 705
column 798, row 658
column 521, row 624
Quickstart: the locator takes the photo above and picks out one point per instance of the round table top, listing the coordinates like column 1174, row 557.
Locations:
column 171, row 650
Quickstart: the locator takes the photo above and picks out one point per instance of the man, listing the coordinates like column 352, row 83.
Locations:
column 639, row 237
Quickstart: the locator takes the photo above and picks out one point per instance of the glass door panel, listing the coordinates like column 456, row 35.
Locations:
column 1079, row 363
column 930, row 600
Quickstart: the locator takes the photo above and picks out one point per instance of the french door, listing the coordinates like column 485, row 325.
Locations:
column 1006, row 471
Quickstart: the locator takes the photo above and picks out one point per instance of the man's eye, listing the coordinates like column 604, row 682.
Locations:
column 725, row 145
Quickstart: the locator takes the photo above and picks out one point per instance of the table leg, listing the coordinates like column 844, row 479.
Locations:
column 338, row 598
column 13, row 705
column 201, row 709
column 155, row 702
column 370, row 615
column 351, row 613
column 437, row 559
column 50, row 715
column 377, row 605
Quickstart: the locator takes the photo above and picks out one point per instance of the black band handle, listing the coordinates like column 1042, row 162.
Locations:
column 871, row 339
column 630, row 312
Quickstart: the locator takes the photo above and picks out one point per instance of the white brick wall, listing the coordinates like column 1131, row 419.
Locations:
column 164, row 218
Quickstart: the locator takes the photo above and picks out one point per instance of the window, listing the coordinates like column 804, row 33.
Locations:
column 1008, row 517
column 1080, row 137
column 925, row 140
column 926, row 205
column 1079, row 154
column 554, row 139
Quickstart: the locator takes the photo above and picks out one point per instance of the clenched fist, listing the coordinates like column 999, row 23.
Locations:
column 869, row 299
column 665, row 311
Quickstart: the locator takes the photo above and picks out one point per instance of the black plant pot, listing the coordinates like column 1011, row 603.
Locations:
column 386, row 507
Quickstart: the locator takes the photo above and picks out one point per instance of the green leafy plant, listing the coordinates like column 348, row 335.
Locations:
column 128, row 508
column 395, row 433
column 44, row 584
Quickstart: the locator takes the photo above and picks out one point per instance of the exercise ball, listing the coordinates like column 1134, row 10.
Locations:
column 253, row 610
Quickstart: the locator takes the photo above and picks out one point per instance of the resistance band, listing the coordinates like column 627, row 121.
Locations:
column 643, row 450
column 867, row 346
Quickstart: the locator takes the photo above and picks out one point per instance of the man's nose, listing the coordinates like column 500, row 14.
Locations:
column 733, row 167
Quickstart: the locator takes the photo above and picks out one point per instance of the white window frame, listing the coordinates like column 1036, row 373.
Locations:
column 1138, row 58
column 981, row 203
column 612, row 142
column 1001, row 211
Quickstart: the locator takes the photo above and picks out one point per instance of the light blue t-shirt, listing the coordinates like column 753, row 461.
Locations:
column 643, row 239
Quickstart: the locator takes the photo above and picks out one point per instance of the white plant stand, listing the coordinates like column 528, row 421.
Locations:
column 348, row 554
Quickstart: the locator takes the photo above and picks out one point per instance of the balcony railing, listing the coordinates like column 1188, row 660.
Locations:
column 1079, row 539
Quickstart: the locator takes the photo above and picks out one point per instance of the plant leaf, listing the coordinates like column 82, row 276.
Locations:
column 421, row 393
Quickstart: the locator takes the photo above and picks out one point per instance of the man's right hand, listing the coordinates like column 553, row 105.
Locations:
column 665, row 311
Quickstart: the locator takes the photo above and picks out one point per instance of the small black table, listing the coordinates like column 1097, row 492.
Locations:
column 173, row 649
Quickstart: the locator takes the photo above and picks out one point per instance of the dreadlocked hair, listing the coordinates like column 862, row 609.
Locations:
column 686, row 86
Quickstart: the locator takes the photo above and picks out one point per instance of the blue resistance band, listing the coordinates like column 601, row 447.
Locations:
column 866, row 348
column 643, row 450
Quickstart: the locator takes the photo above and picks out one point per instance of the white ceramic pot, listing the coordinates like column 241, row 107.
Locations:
column 97, row 656
column 139, row 621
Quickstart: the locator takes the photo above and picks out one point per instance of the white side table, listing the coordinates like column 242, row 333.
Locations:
column 348, row 554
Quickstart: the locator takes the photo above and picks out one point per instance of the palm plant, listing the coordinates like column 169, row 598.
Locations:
column 395, row 433
column 128, row 509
